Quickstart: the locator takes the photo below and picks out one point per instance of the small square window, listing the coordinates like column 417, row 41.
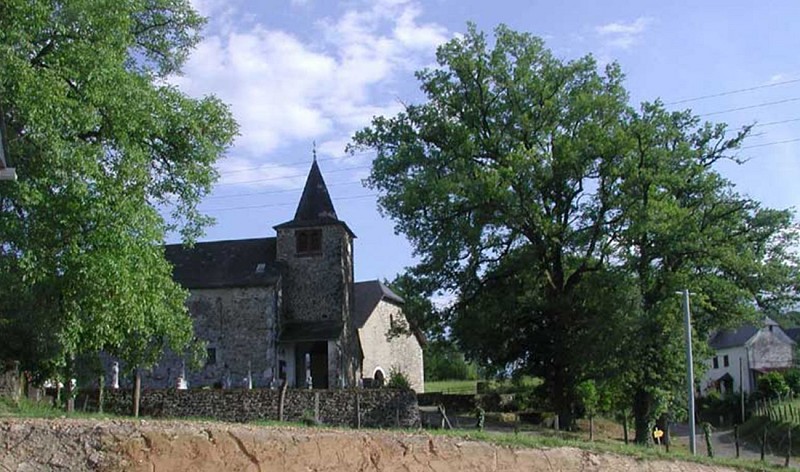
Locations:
column 308, row 241
column 211, row 356
column 725, row 361
column 716, row 362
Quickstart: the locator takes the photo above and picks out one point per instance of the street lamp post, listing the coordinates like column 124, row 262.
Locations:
column 687, row 318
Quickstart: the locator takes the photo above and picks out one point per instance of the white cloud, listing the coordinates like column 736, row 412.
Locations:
column 284, row 90
column 623, row 35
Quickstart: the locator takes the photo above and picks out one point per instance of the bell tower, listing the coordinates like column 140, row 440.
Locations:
column 315, row 250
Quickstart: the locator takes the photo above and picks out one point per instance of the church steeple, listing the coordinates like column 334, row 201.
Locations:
column 315, row 203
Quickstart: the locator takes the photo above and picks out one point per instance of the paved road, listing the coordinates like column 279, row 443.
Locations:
column 724, row 445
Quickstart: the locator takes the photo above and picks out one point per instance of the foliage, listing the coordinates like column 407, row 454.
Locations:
column 102, row 145
column 443, row 361
column 397, row 379
column 773, row 385
column 792, row 377
column 565, row 220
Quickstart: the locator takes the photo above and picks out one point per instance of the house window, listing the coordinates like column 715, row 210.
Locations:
column 211, row 356
column 725, row 362
column 309, row 241
column 716, row 362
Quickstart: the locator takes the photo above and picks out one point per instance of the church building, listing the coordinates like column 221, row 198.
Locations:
column 287, row 308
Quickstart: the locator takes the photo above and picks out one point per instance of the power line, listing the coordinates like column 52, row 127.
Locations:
column 287, row 164
column 267, row 179
column 759, row 105
column 273, row 205
column 270, row 192
column 773, row 143
column 732, row 92
column 771, row 123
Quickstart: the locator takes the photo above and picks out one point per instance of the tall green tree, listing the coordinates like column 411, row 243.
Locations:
column 103, row 145
column 565, row 220
column 500, row 179
column 684, row 227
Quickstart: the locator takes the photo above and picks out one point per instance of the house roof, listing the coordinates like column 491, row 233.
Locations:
column 732, row 337
column 793, row 333
column 367, row 296
column 217, row 264
column 311, row 331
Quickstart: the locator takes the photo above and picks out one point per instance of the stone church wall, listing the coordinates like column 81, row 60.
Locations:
column 239, row 326
column 400, row 352
column 376, row 408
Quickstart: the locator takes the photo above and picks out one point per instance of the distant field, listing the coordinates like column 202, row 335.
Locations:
column 451, row 386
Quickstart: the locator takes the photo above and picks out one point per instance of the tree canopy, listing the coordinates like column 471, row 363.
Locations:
column 103, row 146
column 564, row 218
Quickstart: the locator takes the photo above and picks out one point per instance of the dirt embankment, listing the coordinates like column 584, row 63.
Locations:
column 75, row 445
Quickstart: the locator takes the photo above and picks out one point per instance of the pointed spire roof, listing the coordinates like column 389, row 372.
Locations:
column 315, row 204
column 315, row 207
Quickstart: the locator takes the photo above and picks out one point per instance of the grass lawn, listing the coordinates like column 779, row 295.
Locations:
column 452, row 386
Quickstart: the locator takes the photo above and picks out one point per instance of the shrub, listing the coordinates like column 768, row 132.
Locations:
column 397, row 379
column 772, row 385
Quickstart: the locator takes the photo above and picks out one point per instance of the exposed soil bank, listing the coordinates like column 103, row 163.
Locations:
column 75, row 445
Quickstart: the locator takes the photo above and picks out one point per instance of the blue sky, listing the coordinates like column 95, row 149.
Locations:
column 302, row 71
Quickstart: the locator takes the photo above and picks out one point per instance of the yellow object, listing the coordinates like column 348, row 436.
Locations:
column 658, row 434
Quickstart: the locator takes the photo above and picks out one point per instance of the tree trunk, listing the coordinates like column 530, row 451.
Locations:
column 642, row 406
column 625, row 426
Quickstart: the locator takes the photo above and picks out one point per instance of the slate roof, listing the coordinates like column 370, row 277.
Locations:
column 793, row 333
column 732, row 337
column 311, row 331
column 367, row 296
column 315, row 207
column 220, row 264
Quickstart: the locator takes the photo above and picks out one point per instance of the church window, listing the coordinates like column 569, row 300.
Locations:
column 309, row 241
column 211, row 356
column 725, row 361
column 716, row 362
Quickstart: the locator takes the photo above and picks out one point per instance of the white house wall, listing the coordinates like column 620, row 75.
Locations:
column 402, row 352
column 734, row 355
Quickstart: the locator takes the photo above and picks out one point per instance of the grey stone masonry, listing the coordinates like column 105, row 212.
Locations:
column 9, row 380
column 350, row 407
column 317, row 286
column 239, row 326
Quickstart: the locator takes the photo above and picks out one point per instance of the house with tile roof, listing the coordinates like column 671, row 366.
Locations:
column 742, row 355
column 287, row 309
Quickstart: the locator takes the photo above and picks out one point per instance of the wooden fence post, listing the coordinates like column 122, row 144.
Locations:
column 789, row 447
column 358, row 410
column 736, row 439
column 282, row 400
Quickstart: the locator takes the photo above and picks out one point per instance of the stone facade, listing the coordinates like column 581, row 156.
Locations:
column 239, row 325
column 9, row 380
column 317, row 286
column 401, row 352
column 345, row 407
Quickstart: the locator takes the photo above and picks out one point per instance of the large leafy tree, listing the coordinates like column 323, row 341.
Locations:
column 103, row 145
column 684, row 227
column 499, row 181
column 565, row 220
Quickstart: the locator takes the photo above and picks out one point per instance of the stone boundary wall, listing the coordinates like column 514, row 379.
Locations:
column 377, row 408
column 9, row 379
